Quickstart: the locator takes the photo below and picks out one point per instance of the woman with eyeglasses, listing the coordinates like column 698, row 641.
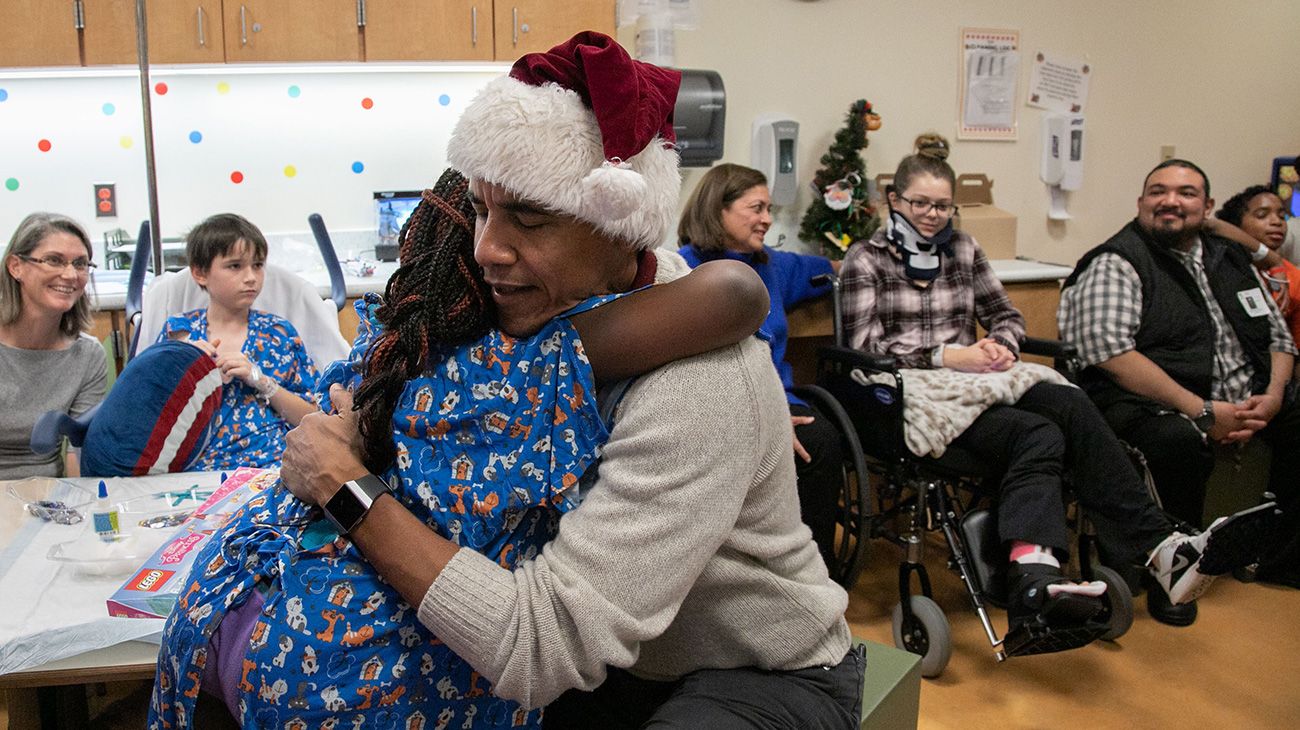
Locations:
column 48, row 362
column 915, row 291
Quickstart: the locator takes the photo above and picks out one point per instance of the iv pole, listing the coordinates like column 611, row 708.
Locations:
column 146, row 106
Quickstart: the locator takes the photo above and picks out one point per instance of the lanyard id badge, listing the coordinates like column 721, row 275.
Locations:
column 1252, row 300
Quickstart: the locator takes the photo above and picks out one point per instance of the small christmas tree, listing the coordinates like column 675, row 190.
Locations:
column 840, row 212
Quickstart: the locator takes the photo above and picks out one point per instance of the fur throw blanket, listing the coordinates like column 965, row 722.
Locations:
column 939, row 404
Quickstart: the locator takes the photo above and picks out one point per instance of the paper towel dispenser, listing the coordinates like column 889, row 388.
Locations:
column 699, row 117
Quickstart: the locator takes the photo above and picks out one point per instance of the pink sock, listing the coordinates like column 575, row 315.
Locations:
column 1027, row 552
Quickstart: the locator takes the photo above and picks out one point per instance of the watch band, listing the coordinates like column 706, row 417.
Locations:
column 1205, row 420
column 353, row 500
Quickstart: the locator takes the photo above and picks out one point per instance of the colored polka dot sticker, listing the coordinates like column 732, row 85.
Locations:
column 126, row 142
column 444, row 99
column 4, row 95
column 358, row 167
column 294, row 92
column 109, row 109
column 236, row 177
column 223, row 87
column 160, row 88
column 290, row 171
column 11, row 183
column 196, row 136
column 44, row 145
column 367, row 103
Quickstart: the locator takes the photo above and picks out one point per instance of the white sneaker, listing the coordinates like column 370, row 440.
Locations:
column 1174, row 564
column 1184, row 565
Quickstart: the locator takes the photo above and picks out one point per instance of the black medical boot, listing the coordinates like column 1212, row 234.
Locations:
column 1044, row 621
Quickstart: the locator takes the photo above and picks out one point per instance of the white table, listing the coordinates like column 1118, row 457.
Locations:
column 54, row 625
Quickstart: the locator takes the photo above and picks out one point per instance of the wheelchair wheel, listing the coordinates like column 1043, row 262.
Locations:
column 855, row 496
column 1120, row 599
column 926, row 634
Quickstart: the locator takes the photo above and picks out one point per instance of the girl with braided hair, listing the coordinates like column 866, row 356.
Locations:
column 482, row 435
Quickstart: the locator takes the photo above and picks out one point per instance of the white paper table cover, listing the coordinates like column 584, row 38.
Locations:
column 49, row 610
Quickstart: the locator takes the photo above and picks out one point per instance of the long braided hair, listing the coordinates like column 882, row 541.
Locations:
column 435, row 301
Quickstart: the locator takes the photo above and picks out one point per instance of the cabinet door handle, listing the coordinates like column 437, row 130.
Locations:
column 243, row 26
column 514, row 22
column 361, row 13
column 473, row 26
column 78, row 15
column 203, row 37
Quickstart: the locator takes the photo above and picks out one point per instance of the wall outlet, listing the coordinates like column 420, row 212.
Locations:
column 105, row 200
column 1166, row 152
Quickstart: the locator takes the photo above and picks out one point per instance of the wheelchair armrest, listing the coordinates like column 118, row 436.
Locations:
column 858, row 358
column 1048, row 348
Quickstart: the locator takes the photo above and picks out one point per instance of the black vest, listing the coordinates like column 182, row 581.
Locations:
column 1176, row 332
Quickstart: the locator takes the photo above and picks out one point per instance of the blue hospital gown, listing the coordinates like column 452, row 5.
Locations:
column 490, row 446
column 248, row 432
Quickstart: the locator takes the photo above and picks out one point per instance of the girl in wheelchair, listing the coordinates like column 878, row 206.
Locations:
column 915, row 291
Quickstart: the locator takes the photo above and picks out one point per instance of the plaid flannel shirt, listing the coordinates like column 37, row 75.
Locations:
column 887, row 313
column 1101, row 313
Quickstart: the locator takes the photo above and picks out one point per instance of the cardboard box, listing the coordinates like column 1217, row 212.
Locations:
column 153, row 589
column 992, row 228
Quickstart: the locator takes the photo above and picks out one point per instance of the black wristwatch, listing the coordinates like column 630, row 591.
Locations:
column 353, row 500
column 1205, row 421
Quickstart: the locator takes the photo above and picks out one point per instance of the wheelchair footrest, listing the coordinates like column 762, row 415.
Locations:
column 1037, row 637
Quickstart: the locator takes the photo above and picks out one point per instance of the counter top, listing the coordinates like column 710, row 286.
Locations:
column 1017, row 270
column 109, row 290
column 1023, row 278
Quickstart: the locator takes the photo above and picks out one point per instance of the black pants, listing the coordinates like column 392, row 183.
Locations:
column 1181, row 462
column 821, row 479
column 719, row 699
column 1055, row 433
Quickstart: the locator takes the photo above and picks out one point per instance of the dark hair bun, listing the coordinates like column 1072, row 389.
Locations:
column 933, row 145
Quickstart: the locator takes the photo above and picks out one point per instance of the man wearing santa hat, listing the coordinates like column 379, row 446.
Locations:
column 684, row 590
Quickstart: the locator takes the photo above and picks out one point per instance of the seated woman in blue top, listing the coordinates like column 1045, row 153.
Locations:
column 727, row 217
column 482, row 435
column 268, row 375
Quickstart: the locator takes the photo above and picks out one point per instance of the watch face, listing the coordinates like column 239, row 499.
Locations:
column 345, row 509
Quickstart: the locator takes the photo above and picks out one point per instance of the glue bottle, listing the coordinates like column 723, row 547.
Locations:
column 104, row 515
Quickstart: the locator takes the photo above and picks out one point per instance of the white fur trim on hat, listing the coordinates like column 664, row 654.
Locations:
column 542, row 143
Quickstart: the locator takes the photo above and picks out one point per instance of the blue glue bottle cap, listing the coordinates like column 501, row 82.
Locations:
column 103, row 490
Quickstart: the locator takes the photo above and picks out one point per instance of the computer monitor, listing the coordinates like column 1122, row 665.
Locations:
column 1286, row 183
column 392, row 208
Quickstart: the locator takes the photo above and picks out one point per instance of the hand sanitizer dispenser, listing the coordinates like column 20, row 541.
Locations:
column 773, row 152
column 1062, row 159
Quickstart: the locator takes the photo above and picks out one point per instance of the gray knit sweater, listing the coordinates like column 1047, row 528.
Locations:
column 688, row 553
column 32, row 382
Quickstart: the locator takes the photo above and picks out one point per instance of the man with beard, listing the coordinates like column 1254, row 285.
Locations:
column 1184, row 347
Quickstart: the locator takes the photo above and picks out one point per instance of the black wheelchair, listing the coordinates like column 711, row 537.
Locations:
column 890, row 493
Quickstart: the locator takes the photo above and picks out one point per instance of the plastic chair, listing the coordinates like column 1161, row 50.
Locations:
column 338, row 290
column 135, row 284
column 53, row 426
column 284, row 294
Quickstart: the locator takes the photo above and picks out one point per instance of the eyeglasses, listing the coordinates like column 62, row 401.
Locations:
column 921, row 207
column 58, row 263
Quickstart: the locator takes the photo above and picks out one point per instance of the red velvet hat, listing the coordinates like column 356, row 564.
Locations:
column 582, row 129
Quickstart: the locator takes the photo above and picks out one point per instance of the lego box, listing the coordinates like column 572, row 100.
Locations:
column 152, row 590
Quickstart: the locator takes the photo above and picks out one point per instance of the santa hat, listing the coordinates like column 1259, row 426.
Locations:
column 581, row 129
